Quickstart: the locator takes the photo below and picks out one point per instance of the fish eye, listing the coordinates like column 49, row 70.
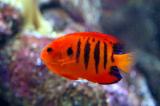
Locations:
column 49, row 49
column 118, row 48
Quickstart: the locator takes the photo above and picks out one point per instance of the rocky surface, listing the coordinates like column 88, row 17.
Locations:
column 10, row 22
column 26, row 81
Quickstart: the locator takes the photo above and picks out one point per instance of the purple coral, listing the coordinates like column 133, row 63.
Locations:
column 10, row 22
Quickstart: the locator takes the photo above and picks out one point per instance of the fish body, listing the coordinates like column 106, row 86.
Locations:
column 92, row 56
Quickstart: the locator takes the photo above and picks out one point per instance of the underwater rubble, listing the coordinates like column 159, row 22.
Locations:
column 10, row 22
column 25, row 81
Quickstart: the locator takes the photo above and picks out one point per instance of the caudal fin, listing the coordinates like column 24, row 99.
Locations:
column 124, row 61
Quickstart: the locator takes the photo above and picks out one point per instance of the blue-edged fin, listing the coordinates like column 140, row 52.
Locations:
column 112, row 77
column 107, row 83
column 124, row 61
column 115, row 72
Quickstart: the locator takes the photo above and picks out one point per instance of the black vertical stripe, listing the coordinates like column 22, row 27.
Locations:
column 78, row 50
column 86, row 53
column 112, row 58
column 97, row 55
column 105, row 55
column 93, row 40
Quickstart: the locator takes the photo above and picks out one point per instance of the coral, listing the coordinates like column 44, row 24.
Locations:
column 10, row 22
column 26, row 81
column 33, row 20
column 87, row 12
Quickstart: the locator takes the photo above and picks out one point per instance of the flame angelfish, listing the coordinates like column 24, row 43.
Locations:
column 92, row 56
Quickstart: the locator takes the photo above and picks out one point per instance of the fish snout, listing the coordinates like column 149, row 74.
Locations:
column 42, row 55
column 46, row 54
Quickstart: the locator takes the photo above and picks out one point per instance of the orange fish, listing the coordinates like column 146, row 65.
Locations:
column 93, row 56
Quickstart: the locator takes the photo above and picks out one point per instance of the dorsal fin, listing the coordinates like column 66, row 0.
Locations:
column 98, row 35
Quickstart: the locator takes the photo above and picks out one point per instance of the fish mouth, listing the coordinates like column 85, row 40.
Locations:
column 42, row 55
column 45, row 61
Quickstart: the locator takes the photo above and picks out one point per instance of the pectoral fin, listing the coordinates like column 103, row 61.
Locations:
column 68, row 62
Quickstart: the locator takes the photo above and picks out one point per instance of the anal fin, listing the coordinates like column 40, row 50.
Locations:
column 113, row 76
column 115, row 72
